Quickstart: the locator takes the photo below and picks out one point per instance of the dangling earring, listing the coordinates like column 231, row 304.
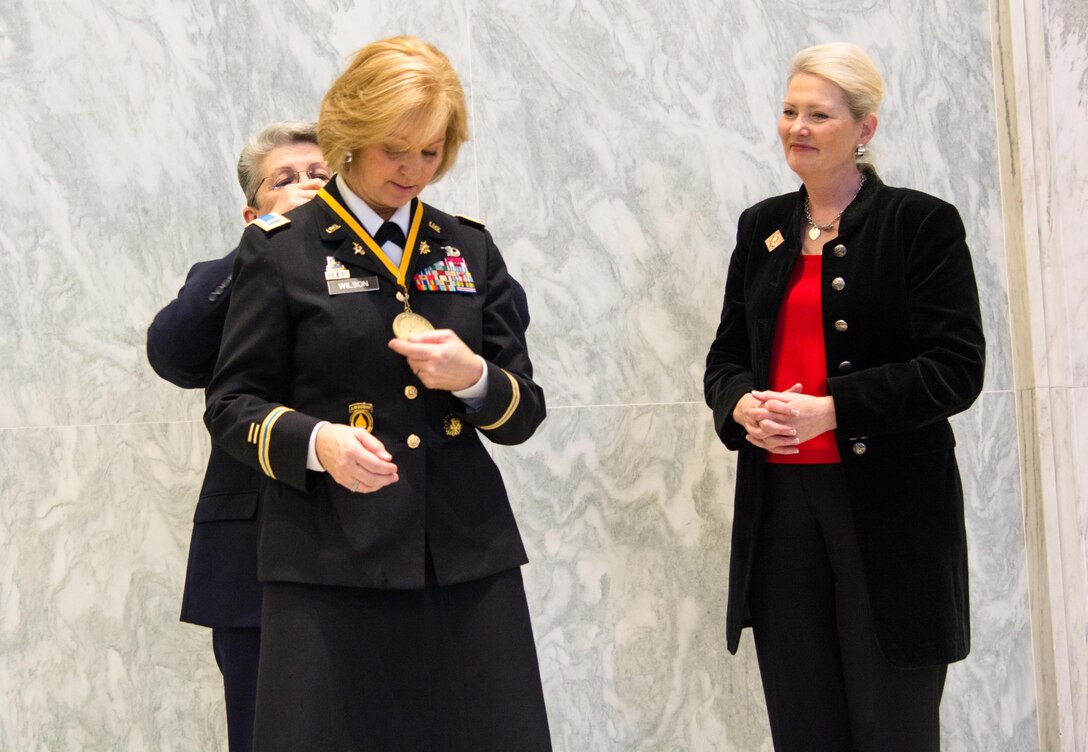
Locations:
column 861, row 150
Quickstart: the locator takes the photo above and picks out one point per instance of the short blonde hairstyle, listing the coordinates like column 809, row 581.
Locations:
column 398, row 87
column 849, row 68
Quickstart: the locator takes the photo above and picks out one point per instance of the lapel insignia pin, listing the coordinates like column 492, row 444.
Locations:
column 433, row 226
column 358, row 248
column 332, row 228
column 774, row 241
column 424, row 248
column 452, row 425
column 361, row 415
column 271, row 221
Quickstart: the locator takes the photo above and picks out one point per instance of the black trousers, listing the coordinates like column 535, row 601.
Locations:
column 237, row 651
column 443, row 669
column 827, row 684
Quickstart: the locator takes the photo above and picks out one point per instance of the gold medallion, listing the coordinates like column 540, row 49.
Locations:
column 410, row 322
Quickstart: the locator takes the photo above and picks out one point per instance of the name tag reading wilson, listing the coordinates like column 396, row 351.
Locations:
column 352, row 284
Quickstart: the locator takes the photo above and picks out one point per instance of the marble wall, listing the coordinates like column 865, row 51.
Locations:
column 614, row 144
column 1066, row 22
column 1042, row 76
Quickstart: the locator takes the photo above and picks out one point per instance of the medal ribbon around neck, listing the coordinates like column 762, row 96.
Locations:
column 399, row 274
column 407, row 322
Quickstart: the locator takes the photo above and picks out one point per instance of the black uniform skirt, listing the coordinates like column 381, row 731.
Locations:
column 442, row 669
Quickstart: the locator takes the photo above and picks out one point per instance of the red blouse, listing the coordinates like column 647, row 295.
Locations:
column 797, row 355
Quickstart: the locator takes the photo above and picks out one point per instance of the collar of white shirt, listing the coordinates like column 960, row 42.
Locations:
column 370, row 220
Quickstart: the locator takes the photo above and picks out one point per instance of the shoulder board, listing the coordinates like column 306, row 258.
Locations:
column 470, row 221
column 271, row 221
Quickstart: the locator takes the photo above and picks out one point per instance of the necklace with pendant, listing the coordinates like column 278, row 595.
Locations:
column 816, row 230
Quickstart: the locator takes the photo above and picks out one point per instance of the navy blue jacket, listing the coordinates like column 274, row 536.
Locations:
column 221, row 588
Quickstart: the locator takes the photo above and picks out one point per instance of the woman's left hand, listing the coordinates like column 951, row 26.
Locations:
column 440, row 359
column 808, row 415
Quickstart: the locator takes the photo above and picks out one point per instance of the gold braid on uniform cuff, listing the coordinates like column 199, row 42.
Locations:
column 515, row 399
column 264, row 439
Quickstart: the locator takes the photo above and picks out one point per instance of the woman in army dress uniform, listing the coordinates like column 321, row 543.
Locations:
column 371, row 340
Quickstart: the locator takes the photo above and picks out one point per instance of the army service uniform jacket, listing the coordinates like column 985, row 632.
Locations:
column 306, row 340
column 905, row 350
column 221, row 587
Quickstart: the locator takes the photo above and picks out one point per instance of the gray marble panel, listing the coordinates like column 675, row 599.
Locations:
column 625, row 512
column 127, row 124
column 1067, row 42
column 989, row 701
column 94, row 531
column 618, row 144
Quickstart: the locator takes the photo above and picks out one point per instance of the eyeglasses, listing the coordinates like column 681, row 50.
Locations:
column 290, row 177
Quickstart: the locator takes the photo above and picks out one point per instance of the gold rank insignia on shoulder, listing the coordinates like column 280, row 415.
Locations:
column 332, row 228
column 424, row 249
column 433, row 226
column 471, row 221
column 271, row 221
column 358, row 248
column 361, row 415
column 774, row 241
column 452, row 425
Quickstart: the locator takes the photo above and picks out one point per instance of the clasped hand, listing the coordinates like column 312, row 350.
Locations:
column 779, row 421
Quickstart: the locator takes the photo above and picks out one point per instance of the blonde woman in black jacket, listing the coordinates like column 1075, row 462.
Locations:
column 850, row 332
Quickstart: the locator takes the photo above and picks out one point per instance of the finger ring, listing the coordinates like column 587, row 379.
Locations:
column 355, row 487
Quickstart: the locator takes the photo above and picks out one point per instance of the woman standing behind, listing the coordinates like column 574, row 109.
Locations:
column 394, row 615
column 850, row 332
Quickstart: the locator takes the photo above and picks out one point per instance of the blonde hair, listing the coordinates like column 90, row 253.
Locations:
column 398, row 87
column 848, row 67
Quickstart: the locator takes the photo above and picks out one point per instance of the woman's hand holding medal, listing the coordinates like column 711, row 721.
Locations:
column 439, row 359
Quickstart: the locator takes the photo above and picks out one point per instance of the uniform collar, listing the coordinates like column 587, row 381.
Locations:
column 367, row 217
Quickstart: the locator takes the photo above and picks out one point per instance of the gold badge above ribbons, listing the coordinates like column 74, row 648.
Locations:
column 410, row 322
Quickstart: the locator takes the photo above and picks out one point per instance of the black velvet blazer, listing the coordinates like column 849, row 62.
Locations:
column 905, row 350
